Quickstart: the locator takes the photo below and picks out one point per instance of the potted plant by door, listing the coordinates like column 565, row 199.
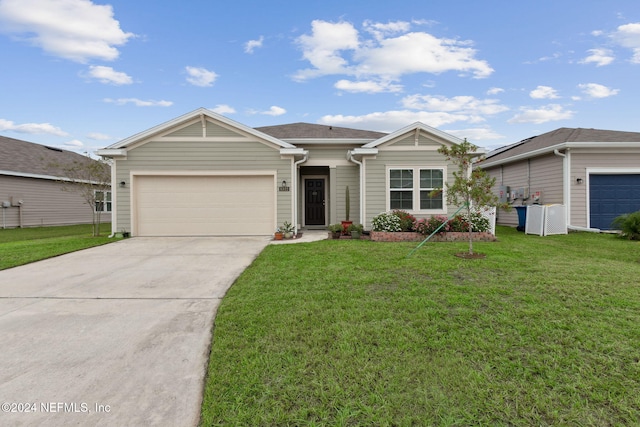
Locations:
column 279, row 235
column 347, row 208
column 287, row 229
column 355, row 230
column 335, row 230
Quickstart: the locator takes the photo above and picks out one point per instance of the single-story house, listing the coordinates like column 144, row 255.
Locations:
column 34, row 191
column 594, row 173
column 205, row 174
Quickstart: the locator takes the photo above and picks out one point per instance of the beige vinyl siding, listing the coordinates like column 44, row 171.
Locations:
column 376, row 175
column 514, row 175
column 538, row 174
column 546, row 176
column 348, row 176
column 323, row 156
column 206, row 156
column 45, row 203
column 583, row 159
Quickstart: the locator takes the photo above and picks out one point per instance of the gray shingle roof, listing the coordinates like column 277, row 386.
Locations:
column 313, row 131
column 560, row 136
column 27, row 157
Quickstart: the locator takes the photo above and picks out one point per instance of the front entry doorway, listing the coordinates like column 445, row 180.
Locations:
column 315, row 201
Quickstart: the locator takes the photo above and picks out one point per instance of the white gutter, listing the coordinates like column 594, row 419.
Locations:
column 294, row 182
column 562, row 146
column 49, row 177
column 353, row 160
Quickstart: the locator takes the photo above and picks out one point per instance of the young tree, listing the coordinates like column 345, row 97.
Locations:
column 470, row 187
column 91, row 179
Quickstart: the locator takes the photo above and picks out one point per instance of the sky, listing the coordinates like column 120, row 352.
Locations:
column 84, row 74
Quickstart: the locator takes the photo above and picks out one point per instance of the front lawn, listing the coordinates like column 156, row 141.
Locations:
column 20, row 246
column 544, row 331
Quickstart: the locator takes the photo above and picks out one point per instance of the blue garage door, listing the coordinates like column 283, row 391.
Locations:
column 610, row 196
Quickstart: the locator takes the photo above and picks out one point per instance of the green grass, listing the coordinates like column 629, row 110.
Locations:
column 544, row 331
column 20, row 246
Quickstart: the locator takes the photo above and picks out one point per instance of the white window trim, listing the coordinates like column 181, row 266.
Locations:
column 104, row 202
column 416, row 188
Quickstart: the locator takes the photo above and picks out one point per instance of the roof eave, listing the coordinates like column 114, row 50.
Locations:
column 413, row 127
column 190, row 116
column 562, row 146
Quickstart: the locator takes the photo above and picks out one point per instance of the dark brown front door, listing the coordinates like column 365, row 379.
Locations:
column 314, row 201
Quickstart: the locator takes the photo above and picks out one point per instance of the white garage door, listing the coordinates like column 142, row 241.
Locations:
column 204, row 205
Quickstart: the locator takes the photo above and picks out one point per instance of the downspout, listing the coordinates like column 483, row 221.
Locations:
column 566, row 185
column 294, row 182
column 353, row 160
column 114, row 198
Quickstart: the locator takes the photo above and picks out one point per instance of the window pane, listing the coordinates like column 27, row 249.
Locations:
column 108, row 196
column 401, row 200
column 431, row 178
column 427, row 202
column 108, row 206
column 401, row 178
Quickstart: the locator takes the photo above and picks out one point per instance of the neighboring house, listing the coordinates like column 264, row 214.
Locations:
column 204, row 174
column 594, row 173
column 31, row 189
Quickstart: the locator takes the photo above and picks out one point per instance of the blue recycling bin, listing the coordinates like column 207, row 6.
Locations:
column 522, row 217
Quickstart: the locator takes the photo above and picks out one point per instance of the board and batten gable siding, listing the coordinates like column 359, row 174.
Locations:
column 45, row 203
column 204, row 155
column 584, row 159
column 376, row 176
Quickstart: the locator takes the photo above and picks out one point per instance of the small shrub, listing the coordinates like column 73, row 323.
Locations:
column 386, row 221
column 459, row 223
column 629, row 225
column 429, row 225
column 407, row 220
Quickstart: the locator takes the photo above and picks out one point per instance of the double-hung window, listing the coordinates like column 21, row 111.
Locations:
column 410, row 189
column 103, row 201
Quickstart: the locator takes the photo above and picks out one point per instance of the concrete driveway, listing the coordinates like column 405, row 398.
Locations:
column 114, row 335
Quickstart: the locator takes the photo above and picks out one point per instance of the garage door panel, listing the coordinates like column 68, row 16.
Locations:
column 612, row 195
column 204, row 205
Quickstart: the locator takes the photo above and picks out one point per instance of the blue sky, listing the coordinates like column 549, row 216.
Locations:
column 81, row 74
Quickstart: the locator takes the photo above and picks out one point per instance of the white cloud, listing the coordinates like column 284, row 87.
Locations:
column 138, row 102
column 74, row 144
column 223, row 109
column 199, row 76
column 460, row 104
column 380, row 30
column 322, row 48
column 389, row 121
column 628, row 36
column 549, row 113
column 339, row 48
column 78, row 30
column 600, row 57
column 544, row 92
column 274, row 111
column 31, row 128
column 367, row 86
column 98, row 136
column 251, row 45
column 108, row 75
column 475, row 134
column 595, row 90
column 494, row 91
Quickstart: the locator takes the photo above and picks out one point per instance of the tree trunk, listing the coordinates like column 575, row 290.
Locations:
column 470, row 232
